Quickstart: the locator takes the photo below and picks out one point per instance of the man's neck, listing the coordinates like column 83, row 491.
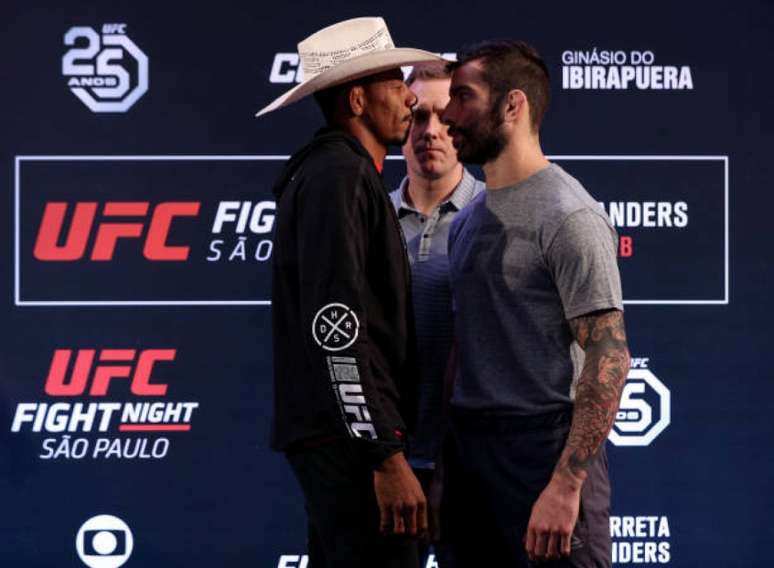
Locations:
column 373, row 146
column 518, row 161
column 425, row 194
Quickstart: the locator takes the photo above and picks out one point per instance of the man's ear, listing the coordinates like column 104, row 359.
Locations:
column 515, row 103
column 357, row 100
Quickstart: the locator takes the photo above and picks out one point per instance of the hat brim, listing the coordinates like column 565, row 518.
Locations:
column 355, row 68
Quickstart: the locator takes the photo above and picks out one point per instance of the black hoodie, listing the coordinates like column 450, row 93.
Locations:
column 343, row 327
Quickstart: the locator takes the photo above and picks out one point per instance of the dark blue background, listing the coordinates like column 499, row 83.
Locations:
column 221, row 498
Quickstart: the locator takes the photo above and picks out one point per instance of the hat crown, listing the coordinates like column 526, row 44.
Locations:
column 341, row 42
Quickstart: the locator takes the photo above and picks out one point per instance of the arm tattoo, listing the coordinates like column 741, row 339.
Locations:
column 602, row 336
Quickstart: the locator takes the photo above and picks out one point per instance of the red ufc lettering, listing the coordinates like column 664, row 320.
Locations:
column 156, row 247
column 47, row 247
column 626, row 247
column 57, row 385
column 109, row 233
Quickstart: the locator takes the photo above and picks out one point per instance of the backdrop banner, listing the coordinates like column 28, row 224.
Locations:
column 136, row 205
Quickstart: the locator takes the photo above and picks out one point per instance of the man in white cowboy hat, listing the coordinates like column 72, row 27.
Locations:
column 345, row 374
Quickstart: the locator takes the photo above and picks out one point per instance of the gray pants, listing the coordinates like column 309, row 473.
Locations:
column 495, row 468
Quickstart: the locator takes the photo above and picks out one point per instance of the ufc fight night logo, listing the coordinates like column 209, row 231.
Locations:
column 645, row 409
column 106, row 404
column 107, row 72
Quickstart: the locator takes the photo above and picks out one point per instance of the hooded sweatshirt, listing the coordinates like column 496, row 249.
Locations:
column 345, row 362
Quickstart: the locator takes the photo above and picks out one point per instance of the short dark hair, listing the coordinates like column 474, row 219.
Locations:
column 329, row 100
column 428, row 71
column 510, row 64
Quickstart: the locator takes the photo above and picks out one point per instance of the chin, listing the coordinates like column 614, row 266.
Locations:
column 430, row 169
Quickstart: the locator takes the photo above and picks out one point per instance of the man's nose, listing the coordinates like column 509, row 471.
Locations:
column 434, row 126
column 412, row 99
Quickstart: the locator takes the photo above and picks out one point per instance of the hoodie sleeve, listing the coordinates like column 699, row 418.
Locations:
column 336, row 218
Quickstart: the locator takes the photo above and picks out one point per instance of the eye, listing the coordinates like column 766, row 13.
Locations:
column 460, row 94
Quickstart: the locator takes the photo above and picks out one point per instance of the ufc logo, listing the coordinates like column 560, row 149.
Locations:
column 353, row 403
column 48, row 247
column 112, row 364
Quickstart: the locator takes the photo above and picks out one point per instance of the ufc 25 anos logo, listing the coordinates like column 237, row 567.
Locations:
column 107, row 72
column 645, row 409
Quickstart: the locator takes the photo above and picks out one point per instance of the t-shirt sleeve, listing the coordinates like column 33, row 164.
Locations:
column 582, row 258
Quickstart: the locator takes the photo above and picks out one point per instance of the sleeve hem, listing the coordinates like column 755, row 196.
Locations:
column 608, row 303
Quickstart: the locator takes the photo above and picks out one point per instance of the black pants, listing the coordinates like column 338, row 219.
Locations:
column 343, row 517
column 495, row 469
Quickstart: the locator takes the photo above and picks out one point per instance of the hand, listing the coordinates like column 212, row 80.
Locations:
column 402, row 504
column 552, row 521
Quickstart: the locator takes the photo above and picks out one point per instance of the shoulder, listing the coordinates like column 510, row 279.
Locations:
column 332, row 170
column 467, row 189
column 396, row 195
column 568, row 205
column 334, row 156
column 463, row 217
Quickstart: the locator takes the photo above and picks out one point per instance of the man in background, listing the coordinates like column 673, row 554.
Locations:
column 436, row 187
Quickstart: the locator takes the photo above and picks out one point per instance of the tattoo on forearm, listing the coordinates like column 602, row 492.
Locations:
column 603, row 338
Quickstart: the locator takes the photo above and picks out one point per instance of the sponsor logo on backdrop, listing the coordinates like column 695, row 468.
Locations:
column 640, row 540
column 643, row 215
column 622, row 70
column 241, row 228
column 104, row 541
column 144, row 230
column 286, row 68
column 194, row 230
column 293, row 561
column 90, row 236
column 302, row 561
column 671, row 215
column 645, row 407
column 106, row 71
column 87, row 424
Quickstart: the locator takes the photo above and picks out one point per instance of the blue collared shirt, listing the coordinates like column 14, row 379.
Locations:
column 426, row 239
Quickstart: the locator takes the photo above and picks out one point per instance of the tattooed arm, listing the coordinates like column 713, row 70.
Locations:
column 603, row 338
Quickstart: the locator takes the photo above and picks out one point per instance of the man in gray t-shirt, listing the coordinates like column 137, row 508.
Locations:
column 525, row 260
column 541, row 343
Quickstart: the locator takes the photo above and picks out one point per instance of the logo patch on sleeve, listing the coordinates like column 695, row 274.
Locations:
column 335, row 327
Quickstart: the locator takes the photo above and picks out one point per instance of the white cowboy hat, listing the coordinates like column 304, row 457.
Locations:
column 344, row 51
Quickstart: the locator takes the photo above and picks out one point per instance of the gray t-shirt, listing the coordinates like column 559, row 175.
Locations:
column 523, row 261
